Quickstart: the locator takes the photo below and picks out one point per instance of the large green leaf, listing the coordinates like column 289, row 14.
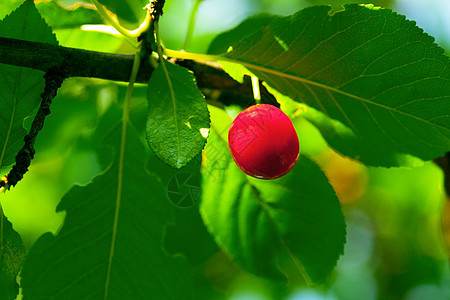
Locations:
column 337, row 4
column 260, row 223
column 384, row 81
column 110, row 244
column 178, row 119
column 20, row 87
column 12, row 253
column 221, row 43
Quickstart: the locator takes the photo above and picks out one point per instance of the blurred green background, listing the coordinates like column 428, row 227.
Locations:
column 395, row 247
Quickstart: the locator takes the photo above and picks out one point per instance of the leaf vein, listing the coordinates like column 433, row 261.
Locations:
column 327, row 40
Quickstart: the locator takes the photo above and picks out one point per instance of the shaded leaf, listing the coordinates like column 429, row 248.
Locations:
column 261, row 222
column 20, row 87
column 378, row 75
column 12, row 253
column 178, row 119
column 110, row 244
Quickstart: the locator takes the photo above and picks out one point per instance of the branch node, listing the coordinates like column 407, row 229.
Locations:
column 155, row 8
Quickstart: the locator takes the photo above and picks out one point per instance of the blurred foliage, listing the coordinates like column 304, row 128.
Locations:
column 12, row 254
column 130, row 12
column 395, row 245
column 8, row 6
column 60, row 16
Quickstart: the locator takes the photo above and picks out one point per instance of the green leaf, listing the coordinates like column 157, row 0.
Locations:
column 377, row 74
column 20, row 87
column 12, row 253
column 221, row 43
column 58, row 16
column 260, row 223
column 88, row 40
column 110, row 244
column 178, row 118
column 338, row 4
column 6, row 6
column 130, row 11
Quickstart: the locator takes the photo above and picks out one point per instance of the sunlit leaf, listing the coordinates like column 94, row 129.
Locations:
column 262, row 222
column 338, row 4
column 88, row 40
column 384, row 81
column 221, row 43
column 110, row 244
column 58, row 16
column 178, row 119
column 20, row 87
column 79, row 26
column 130, row 11
column 12, row 253
column 6, row 6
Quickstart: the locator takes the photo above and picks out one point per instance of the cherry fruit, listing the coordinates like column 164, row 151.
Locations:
column 263, row 142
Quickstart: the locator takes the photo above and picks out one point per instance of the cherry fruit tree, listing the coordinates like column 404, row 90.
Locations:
column 372, row 82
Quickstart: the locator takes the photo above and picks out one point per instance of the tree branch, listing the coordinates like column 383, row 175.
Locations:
column 53, row 80
column 74, row 62
column 117, row 67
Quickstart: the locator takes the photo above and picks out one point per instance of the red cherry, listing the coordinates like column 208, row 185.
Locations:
column 263, row 142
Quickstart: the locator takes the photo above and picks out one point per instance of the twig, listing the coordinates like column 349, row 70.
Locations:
column 156, row 8
column 53, row 80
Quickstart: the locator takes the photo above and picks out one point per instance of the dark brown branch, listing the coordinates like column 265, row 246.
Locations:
column 156, row 8
column 74, row 62
column 83, row 63
column 53, row 80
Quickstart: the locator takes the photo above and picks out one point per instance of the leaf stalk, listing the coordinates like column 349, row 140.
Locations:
column 125, row 119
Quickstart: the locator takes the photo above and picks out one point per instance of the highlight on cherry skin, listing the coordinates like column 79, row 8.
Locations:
column 263, row 142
